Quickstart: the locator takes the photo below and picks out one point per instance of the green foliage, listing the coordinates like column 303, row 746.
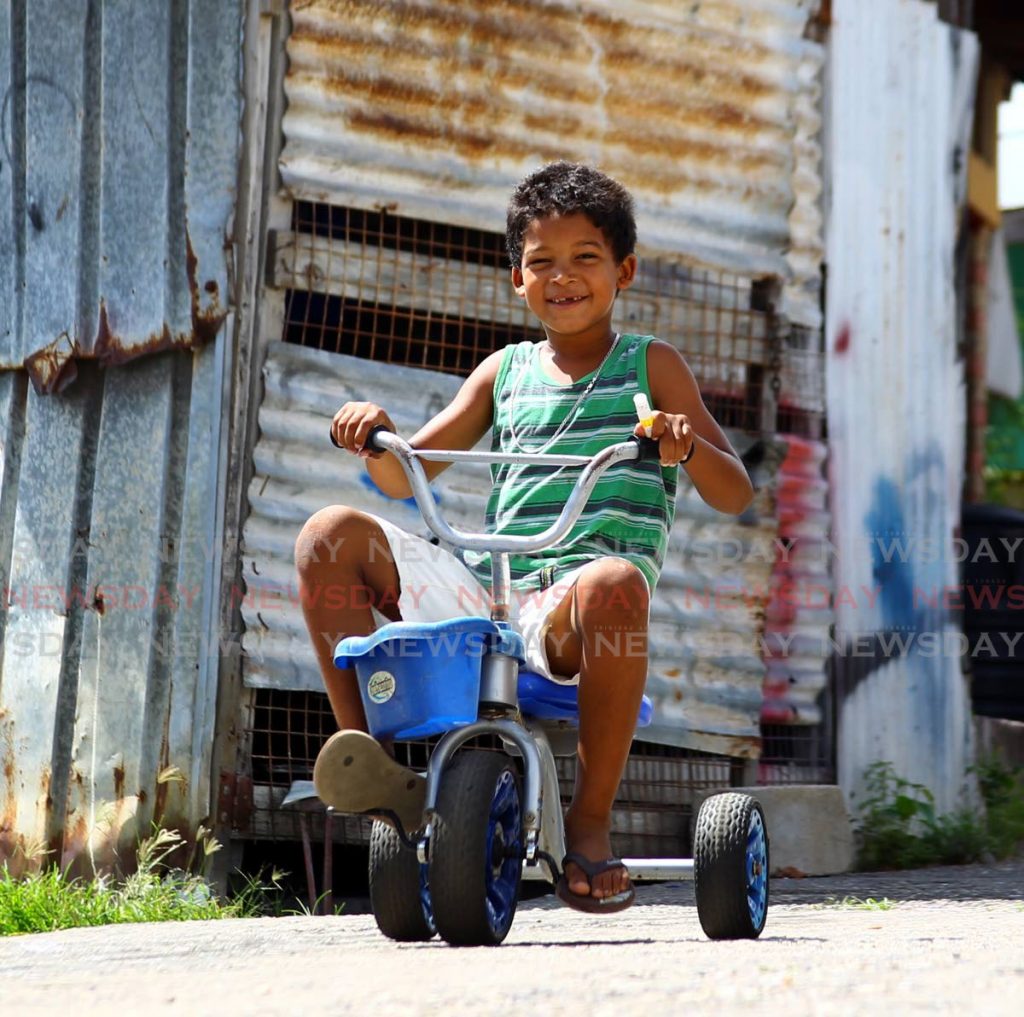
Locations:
column 47, row 900
column 1004, row 486
column 899, row 827
column 860, row 904
column 1003, row 791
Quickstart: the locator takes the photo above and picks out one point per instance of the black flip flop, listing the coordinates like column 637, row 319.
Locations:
column 586, row 902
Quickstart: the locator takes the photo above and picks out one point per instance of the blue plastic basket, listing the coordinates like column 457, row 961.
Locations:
column 417, row 680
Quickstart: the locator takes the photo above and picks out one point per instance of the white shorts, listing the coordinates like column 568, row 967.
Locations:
column 436, row 586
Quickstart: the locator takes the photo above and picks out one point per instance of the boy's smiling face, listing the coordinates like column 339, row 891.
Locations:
column 569, row 276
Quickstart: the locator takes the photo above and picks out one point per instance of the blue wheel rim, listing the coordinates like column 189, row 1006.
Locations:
column 428, row 908
column 757, row 869
column 503, row 864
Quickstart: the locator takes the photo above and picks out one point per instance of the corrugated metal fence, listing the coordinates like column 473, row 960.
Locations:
column 706, row 112
column 407, row 125
column 118, row 162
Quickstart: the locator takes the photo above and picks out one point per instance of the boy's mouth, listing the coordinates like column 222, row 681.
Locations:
column 565, row 301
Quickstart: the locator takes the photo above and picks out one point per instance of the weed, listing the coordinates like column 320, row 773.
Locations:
column 859, row 903
column 1002, row 789
column 48, row 899
column 900, row 829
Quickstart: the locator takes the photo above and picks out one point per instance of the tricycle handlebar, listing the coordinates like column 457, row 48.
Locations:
column 382, row 440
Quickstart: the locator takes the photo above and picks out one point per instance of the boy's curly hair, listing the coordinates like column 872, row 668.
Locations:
column 564, row 188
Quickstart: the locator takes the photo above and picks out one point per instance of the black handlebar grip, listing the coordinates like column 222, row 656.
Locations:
column 648, row 448
column 371, row 439
column 371, row 443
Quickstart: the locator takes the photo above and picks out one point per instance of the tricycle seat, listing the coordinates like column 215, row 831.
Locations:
column 418, row 679
column 546, row 699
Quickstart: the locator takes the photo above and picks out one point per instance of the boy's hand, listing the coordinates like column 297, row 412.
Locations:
column 673, row 433
column 352, row 425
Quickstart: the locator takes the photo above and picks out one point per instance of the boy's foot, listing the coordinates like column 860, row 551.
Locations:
column 353, row 773
column 593, row 880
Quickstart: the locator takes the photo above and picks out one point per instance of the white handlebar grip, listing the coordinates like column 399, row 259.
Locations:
column 644, row 412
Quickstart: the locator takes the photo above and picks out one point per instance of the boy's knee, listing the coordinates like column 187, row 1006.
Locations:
column 613, row 585
column 329, row 536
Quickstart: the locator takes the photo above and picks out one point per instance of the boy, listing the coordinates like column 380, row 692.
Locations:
column 570, row 236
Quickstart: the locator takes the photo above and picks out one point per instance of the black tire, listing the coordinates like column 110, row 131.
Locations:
column 395, row 888
column 720, row 874
column 464, row 863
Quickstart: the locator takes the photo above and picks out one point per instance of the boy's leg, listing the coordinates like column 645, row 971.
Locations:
column 600, row 630
column 345, row 565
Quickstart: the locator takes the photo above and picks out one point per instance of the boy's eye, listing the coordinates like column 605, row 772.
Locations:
column 536, row 262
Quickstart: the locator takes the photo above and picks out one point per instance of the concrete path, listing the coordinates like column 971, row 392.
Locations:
column 952, row 943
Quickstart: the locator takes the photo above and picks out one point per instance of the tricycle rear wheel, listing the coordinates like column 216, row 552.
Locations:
column 730, row 866
column 399, row 896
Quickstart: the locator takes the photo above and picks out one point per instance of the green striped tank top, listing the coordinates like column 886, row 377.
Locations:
column 630, row 510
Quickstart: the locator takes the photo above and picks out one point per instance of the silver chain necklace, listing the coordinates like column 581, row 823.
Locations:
column 569, row 417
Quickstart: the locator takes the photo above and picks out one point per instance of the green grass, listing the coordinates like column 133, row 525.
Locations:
column 48, row 899
column 900, row 829
column 859, row 903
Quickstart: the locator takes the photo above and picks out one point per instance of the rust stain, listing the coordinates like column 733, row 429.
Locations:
column 53, row 368
column 9, row 812
column 473, row 144
column 110, row 350
column 119, row 781
column 44, row 787
column 160, row 799
column 546, row 29
column 72, row 845
column 712, row 157
column 205, row 321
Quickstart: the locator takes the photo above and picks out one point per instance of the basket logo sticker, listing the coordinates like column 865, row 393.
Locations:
column 381, row 686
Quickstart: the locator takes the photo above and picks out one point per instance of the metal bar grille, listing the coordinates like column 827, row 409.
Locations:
column 430, row 295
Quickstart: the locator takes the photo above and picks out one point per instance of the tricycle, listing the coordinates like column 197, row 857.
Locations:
column 492, row 817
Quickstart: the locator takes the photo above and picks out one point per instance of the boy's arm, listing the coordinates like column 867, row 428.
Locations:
column 460, row 425
column 682, row 418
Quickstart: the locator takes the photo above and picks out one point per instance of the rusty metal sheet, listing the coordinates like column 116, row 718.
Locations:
column 12, row 147
column 435, row 110
column 707, row 669
column 108, row 530
column 891, row 349
column 119, row 741
column 120, row 139
column 35, row 685
column 195, row 630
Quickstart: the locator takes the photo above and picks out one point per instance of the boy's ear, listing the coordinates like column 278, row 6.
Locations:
column 627, row 272
column 517, row 281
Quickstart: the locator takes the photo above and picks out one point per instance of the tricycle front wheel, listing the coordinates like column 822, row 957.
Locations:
column 476, row 849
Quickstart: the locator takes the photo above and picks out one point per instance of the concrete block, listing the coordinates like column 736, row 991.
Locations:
column 1003, row 739
column 809, row 828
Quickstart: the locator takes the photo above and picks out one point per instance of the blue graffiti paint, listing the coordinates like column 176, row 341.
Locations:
column 910, row 549
column 365, row 480
column 893, row 575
